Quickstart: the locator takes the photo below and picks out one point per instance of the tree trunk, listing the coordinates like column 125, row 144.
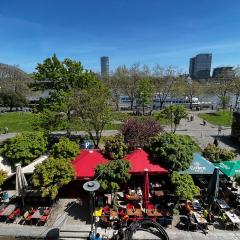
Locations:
column 161, row 105
column 131, row 104
column 236, row 101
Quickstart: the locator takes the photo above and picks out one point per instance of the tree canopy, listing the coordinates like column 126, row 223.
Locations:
column 52, row 174
column 113, row 174
column 65, row 148
column 184, row 186
column 137, row 131
column 24, row 148
column 3, row 176
column 174, row 113
column 115, row 148
column 217, row 154
column 173, row 151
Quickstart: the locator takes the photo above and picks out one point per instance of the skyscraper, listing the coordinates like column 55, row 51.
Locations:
column 200, row 66
column 104, row 66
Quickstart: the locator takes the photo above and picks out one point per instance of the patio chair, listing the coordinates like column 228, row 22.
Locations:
column 169, row 220
column 42, row 220
column 13, row 215
column 27, row 218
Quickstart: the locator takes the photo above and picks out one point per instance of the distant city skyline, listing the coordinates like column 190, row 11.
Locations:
column 136, row 31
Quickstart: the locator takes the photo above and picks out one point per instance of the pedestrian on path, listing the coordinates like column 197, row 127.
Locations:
column 204, row 123
column 6, row 130
column 215, row 142
column 219, row 130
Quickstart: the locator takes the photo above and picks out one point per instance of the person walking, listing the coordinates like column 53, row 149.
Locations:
column 215, row 142
column 219, row 130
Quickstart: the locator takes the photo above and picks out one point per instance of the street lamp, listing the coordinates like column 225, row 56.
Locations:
column 91, row 187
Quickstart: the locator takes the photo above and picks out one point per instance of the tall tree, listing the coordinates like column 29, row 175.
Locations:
column 14, row 86
column 174, row 113
column 144, row 93
column 164, row 81
column 222, row 87
column 92, row 107
column 116, row 84
column 236, row 87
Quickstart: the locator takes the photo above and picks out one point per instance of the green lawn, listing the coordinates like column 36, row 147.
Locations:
column 23, row 122
column 16, row 121
column 221, row 118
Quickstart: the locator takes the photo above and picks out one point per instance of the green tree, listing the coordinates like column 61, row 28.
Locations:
column 237, row 180
column 217, row 154
column 173, row 151
column 144, row 93
column 115, row 148
column 93, row 110
column 52, row 174
column 24, row 148
column 113, row 174
column 63, row 78
column 174, row 113
column 3, row 176
column 65, row 148
column 184, row 186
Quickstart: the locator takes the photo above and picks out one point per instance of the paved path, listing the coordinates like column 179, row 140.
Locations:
column 205, row 134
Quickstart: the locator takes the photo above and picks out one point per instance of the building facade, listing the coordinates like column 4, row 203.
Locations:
column 104, row 66
column 200, row 66
column 227, row 72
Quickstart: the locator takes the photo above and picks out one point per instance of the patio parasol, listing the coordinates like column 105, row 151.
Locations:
column 21, row 182
column 146, row 189
column 213, row 188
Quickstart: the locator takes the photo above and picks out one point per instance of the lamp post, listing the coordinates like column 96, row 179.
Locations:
column 91, row 187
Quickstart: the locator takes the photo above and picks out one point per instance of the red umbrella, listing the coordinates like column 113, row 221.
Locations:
column 146, row 189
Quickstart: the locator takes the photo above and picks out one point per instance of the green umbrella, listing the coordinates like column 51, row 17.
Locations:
column 229, row 168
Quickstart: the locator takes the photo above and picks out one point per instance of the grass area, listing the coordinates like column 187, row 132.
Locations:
column 23, row 122
column 17, row 122
column 221, row 118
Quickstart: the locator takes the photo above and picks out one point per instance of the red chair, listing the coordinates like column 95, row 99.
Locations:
column 129, row 206
column 43, row 220
column 151, row 206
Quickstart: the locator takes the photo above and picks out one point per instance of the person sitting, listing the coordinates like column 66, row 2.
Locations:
column 139, row 192
column 96, row 237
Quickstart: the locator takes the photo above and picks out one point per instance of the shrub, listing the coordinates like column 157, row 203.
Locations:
column 24, row 148
column 65, row 148
column 136, row 132
column 184, row 186
column 115, row 148
column 217, row 154
column 3, row 176
column 52, row 174
column 173, row 151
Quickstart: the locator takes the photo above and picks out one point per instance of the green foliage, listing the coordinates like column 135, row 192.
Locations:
column 217, row 154
column 65, row 148
column 93, row 110
column 24, row 148
column 221, row 118
column 184, row 186
column 3, row 176
column 174, row 113
column 144, row 92
column 115, row 148
column 113, row 174
column 237, row 180
column 52, row 174
column 173, row 151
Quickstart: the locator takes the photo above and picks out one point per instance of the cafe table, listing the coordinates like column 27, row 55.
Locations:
column 153, row 213
column 200, row 218
column 233, row 217
column 9, row 209
column 134, row 212
column 222, row 204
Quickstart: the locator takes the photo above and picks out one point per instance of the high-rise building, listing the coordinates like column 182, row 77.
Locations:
column 104, row 66
column 200, row 66
column 227, row 72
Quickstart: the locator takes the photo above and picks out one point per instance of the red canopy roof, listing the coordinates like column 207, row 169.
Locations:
column 86, row 162
column 140, row 161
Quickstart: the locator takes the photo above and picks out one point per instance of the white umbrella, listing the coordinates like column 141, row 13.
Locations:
column 21, row 182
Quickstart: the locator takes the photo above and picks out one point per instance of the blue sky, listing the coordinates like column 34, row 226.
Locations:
column 128, row 31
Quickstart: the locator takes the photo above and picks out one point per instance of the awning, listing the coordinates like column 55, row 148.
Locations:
column 86, row 162
column 140, row 161
column 229, row 168
column 200, row 165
